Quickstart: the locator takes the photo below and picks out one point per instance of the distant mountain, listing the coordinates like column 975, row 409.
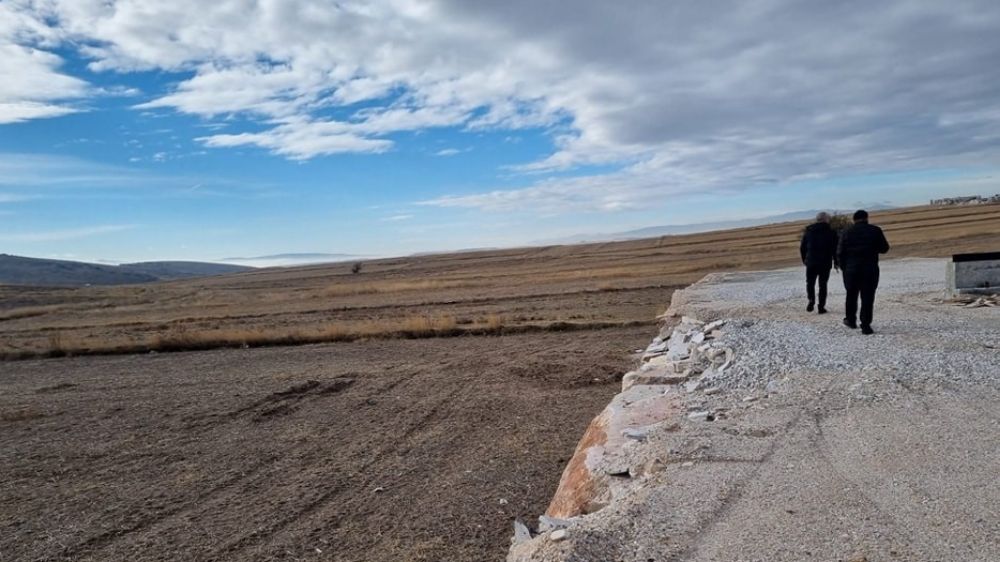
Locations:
column 181, row 269
column 292, row 259
column 691, row 228
column 18, row 270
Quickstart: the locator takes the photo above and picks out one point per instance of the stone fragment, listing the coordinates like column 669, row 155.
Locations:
column 558, row 535
column 698, row 337
column 712, row 390
column 651, row 378
column 750, row 398
column 701, row 415
column 521, row 532
column 637, row 433
column 546, row 523
column 713, row 325
column 656, row 348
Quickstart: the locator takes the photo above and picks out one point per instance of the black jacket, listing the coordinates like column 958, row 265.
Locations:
column 860, row 246
column 819, row 245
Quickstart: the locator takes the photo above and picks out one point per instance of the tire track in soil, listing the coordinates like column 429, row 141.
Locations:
column 328, row 496
column 296, row 393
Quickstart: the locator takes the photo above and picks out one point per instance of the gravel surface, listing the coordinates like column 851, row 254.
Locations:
column 919, row 334
column 827, row 445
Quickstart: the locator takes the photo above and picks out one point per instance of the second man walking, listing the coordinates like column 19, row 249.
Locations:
column 818, row 249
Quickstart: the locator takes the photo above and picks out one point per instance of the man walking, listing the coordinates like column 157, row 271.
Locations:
column 857, row 255
column 818, row 249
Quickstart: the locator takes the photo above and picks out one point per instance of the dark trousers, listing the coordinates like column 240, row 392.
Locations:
column 817, row 273
column 863, row 283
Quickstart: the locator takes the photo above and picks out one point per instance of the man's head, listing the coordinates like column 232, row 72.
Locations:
column 861, row 215
column 822, row 216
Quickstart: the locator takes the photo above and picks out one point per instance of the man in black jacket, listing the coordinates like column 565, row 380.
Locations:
column 857, row 255
column 818, row 249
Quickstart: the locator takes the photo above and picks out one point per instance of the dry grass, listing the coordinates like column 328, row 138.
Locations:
column 386, row 287
column 489, row 292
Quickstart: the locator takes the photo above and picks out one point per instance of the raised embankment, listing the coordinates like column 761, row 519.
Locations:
column 753, row 430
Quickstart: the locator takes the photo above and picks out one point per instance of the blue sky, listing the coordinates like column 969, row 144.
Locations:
column 139, row 130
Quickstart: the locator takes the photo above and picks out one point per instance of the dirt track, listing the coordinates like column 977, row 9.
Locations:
column 400, row 450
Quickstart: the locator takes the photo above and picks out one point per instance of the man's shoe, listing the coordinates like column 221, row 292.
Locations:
column 867, row 330
column 821, row 310
column 850, row 323
column 809, row 307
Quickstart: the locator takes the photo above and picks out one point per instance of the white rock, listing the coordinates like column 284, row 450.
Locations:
column 699, row 416
column 713, row 325
column 637, row 433
column 558, row 535
column 712, row 390
column 698, row 337
column 521, row 532
column 546, row 523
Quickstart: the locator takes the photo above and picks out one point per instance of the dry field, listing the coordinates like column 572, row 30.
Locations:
column 477, row 293
column 442, row 401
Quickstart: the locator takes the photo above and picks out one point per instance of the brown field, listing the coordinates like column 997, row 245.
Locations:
column 446, row 395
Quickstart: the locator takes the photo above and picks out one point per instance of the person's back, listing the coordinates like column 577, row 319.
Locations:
column 819, row 244
column 860, row 246
column 857, row 255
column 818, row 248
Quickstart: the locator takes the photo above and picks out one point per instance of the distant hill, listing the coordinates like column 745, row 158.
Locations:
column 181, row 269
column 671, row 229
column 281, row 260
column 18, row 270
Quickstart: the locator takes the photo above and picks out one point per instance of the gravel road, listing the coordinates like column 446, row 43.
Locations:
column 829, row 445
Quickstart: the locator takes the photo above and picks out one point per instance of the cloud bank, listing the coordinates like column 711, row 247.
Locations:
column 675, row 97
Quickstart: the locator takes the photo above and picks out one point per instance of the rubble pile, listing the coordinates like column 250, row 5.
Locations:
column 976, row 301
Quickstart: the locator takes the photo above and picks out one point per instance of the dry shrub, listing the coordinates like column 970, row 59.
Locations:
column 427, row 325
column 56, row 347
column 494, row 321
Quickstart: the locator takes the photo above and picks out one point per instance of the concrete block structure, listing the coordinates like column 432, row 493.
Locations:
column 974, row 273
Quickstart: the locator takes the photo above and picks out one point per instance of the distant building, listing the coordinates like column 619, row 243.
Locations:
column 967, row 200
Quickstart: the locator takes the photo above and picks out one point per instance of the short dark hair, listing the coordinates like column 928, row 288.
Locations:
column 860, row 215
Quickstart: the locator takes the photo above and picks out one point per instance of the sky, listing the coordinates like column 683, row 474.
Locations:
column 134, row 130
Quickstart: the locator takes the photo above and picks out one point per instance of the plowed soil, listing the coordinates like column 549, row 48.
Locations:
column 387, row 450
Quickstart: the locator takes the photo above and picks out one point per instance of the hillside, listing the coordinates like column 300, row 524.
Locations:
column 19, row 270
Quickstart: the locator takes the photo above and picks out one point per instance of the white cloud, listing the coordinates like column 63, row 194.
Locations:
column 33, row 84
column 448, row 152
column 67, row 234
column 677, row 96
column 397, row 218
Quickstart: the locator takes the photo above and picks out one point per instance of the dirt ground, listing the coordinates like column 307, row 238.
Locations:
column 383, row 448
column 390, row 450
